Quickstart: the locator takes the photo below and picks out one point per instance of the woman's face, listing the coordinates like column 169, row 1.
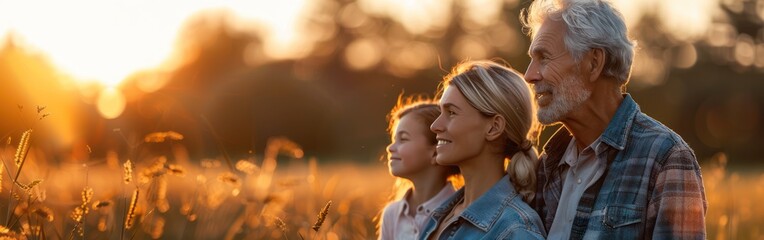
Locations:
column 410, row 151
column 461, row 129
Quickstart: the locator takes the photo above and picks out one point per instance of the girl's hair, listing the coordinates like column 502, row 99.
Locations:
column 494, row 89
column 426, row 110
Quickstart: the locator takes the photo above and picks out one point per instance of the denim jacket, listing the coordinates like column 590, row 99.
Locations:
column 652, row 187
column 499, row 213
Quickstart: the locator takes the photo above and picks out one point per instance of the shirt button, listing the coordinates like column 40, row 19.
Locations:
column 579, row 181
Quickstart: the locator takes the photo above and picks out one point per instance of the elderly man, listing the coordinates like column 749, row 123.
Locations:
column 611, row 172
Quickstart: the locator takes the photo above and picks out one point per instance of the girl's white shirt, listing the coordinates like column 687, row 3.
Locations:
column 397, row 224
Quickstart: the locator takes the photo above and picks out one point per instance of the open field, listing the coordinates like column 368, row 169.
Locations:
column 278, row 196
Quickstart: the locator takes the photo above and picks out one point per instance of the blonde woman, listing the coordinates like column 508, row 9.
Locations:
column 411, row 158
column 486, row 116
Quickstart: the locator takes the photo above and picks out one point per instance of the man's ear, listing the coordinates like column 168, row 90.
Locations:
column 596, row 63
column 495, row 128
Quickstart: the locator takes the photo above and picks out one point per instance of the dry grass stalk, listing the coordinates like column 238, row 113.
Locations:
column 130, row 217
column 44, row 213
column 128, row 167
column 280, row 223
column 80, row 211
column 176, row 170
column 158, row 137
column 21, row 151
column 247, row 167
column 322, row 216
column 229, row 178
column 29, row 187
column 23, row 148
column 101, row 204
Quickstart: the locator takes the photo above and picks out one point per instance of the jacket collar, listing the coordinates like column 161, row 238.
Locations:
column 614, row 135
column 620, row 125
column 488, row 208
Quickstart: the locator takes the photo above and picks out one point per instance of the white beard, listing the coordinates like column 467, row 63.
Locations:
column 567, row 96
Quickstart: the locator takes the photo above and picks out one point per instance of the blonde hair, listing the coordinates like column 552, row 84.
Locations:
column 494, row 89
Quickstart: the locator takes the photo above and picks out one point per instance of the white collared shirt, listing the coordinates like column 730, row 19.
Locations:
column 585, row 169
column 398, row 224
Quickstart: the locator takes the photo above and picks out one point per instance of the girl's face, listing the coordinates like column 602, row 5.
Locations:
column 411, row 151
column 461, row 129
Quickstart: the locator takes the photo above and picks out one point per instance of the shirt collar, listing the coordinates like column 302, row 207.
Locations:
column 431, row 204
column 434, row 202
column 596, row 146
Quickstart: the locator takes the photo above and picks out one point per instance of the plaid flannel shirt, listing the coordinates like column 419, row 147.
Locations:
column 652, row 188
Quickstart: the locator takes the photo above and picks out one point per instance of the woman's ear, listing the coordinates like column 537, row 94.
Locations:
column 495, row 128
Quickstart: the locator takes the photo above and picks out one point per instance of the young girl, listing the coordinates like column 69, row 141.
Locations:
column 486, row 118
column 411, row 156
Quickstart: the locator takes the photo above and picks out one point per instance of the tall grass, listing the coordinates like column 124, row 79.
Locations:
column 279, row 195
column 276, row 196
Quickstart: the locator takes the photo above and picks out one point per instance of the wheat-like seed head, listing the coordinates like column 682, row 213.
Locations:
column 23, row 148
column 131, row 211
column 322, row 216
column 128, row 166
column 44, row 213
column 280, row 223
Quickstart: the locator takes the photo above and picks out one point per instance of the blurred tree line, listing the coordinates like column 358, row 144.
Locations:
column 227, row 94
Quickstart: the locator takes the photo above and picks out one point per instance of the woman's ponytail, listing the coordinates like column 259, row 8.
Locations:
column 522, row 170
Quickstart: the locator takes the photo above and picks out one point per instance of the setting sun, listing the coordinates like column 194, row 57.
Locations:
column 104, row 42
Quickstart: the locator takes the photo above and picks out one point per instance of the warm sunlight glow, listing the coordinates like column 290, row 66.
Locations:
column 96, row 41
column 685, row 20
column 417, row 16
column 111, row 103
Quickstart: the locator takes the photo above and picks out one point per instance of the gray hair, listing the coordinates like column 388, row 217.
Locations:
column 590, row 24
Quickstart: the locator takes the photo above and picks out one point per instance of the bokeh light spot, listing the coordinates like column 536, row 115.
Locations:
column 721, row 35
column 469, row 47
column 111, row 103
column 686, row 56
column 352, row 17
column 760, row 55
column 744, row 50
column 363, row 54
